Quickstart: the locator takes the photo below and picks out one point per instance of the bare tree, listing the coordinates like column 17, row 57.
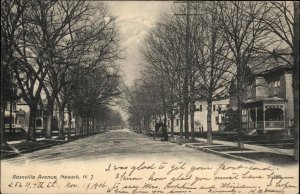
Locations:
column 296, row 80
column 132, row 106
column 211, row 58
column 244, row 32
column 11, row 14
column 29, row 71
column 47, row 40
column 99, row 87
column 283, row 23
column 165, row 55
column 88, row 37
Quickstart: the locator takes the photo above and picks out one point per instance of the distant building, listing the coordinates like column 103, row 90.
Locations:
column 21, row 113
column 14, row 115
column 219, row 107
column 200, row 116
column 268, row 100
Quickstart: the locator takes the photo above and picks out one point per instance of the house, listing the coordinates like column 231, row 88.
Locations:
column 15, row 116
column 200, row 116
column 268, row 100
column 21, row 113
column 219, row 108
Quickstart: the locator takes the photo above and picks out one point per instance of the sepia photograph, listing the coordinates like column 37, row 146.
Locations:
column 149, row 97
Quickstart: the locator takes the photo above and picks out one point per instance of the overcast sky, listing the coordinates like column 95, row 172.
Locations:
column 135, row 19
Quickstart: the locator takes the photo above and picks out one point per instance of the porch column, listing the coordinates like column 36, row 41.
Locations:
column 285, row 127
column 248, row 117
column 16, row 120
column 264, row 117
column 284, row 117
column 256, row 117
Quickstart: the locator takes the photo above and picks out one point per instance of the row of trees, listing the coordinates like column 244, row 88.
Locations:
column 200, row 49
column 64, row 50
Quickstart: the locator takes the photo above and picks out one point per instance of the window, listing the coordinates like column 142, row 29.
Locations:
column 38, row 123
column 244, row 115
column 7, row 120
column 249, row 91
column 274, row 87
column 199, row 108
column 177, row 122
column 14, row 106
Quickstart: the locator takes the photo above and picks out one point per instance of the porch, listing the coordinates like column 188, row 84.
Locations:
column 17, row 119
column 266, row 115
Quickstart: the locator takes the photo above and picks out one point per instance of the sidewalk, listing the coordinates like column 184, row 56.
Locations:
column 250, row 153
column 15, row 148
column 256, row 148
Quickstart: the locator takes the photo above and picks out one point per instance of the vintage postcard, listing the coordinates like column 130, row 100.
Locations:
column 149, row 97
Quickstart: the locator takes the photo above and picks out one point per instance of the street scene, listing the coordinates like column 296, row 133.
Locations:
column 121, row 144
column 188, row 81
column 117, row 144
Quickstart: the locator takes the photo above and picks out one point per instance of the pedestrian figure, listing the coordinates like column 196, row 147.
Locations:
column 157, row 127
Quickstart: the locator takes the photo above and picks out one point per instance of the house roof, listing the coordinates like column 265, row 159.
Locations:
column 274, row 98
column 277, row 60
column 21, row 102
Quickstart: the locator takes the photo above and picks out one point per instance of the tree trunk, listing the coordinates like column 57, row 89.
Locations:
column 240, row 120
column 148, row 123
column 10, row 116
column 165, row 117
column 96, row 126
column 141, row 126
column 186, row 121
column 181, row 121
column 209, row 127
column 80, row 127
column 69, row 123
column 3, row 140
column 172, row 124
column 50, row 108
column 187, row 74
column 62, row 123
column 296, row 80
column 32, row 118
column 87, row 125
column 93, row 123
column 192, row 120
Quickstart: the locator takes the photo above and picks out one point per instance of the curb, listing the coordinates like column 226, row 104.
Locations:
column 239, row 158
column 54, row 143
column 225, row 155
column 31, row 150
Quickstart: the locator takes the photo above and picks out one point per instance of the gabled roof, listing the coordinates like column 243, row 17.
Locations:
column 279, row 59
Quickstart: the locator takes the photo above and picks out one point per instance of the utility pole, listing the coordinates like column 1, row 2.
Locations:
column 187, row 72
column 296, row 79
column 187, row 69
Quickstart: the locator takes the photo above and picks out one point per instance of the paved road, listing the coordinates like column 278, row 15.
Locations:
column 116, row 145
